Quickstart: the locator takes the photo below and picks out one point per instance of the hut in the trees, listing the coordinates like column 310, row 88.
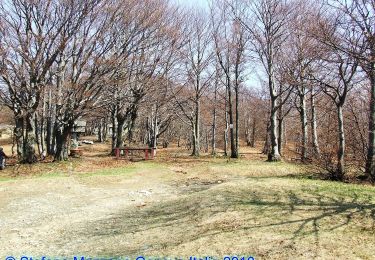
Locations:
column 78, row 129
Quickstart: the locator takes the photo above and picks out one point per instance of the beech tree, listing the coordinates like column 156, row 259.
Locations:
column 355, row 27
column 34, row 34
column 231, row 40
column 82, row 71
column 301, row 56
column 197, row 57
column 267, row 24
column 155, row 73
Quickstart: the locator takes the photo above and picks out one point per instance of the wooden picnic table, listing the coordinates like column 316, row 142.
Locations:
column 149, row 152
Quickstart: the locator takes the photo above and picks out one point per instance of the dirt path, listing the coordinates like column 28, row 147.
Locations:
column 44, row 216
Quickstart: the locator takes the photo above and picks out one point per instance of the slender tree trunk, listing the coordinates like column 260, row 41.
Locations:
column 267, row 141
column 253, row 134
column 155, row 132
column 281, row 134
column 273, row 155
column 341, row 151
column 304, row 124
column 233, row 151
column 280, row 127
column 226, row 125
column 314, row 133
column 226, row 134
column 49, row 135
column 114, row 129
column 370, row 162
column 105, row 130
column 196, row 130
column 51, row 128
column 213, row 144
column 38, row 134
column 214, row 119
column 14, row 144
column 248, row 131
column 43, row 127
column 207, row 140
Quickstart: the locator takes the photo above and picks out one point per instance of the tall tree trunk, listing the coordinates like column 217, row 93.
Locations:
column 196, row 130
column 105, row 130
column 100, row 131
column 207, row 143
column 49, row 137
column 213, row 143
column 19, row 136
column 280, row 134
column 114, row 128
column 155, row 132
column 214, row 119
column 267, row 142
column 248, row 131
column 273, row 155
column 62, row 141
column 233, row 152
column 226, row 133
column 237, row 140
column 304, row 124
column 43, row 127
column 120, row 132
column 280, row 127
column 253, row 134
column 226, row 125
column 38, row 134
column 194, row 143
column 341, row 151
column 314, row 133
column 370, row 162
column 131, row 126
column 30, row 140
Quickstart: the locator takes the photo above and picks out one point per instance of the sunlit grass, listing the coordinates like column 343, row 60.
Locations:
column 217, row 206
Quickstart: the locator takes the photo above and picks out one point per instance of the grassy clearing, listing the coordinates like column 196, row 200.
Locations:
column 246, row 208
column 218, row 207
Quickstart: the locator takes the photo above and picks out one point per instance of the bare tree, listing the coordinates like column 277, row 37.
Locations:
column 35, row 33
column 267, row 23
column 337, row 81
column 356, row 29
column 197, row 56
column 231, row 41
column 82, row 73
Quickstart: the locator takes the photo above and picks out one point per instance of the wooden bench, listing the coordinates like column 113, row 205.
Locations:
column 76, row 153
column 148, row 152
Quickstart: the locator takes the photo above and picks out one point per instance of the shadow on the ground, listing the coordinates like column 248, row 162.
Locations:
column 167, row 225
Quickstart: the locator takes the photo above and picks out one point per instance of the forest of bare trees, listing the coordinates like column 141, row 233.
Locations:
column 293, row 77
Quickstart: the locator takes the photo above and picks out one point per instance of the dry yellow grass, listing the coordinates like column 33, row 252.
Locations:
column 179, row 206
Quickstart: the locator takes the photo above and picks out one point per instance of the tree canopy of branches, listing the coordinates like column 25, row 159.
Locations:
column 293, row 77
